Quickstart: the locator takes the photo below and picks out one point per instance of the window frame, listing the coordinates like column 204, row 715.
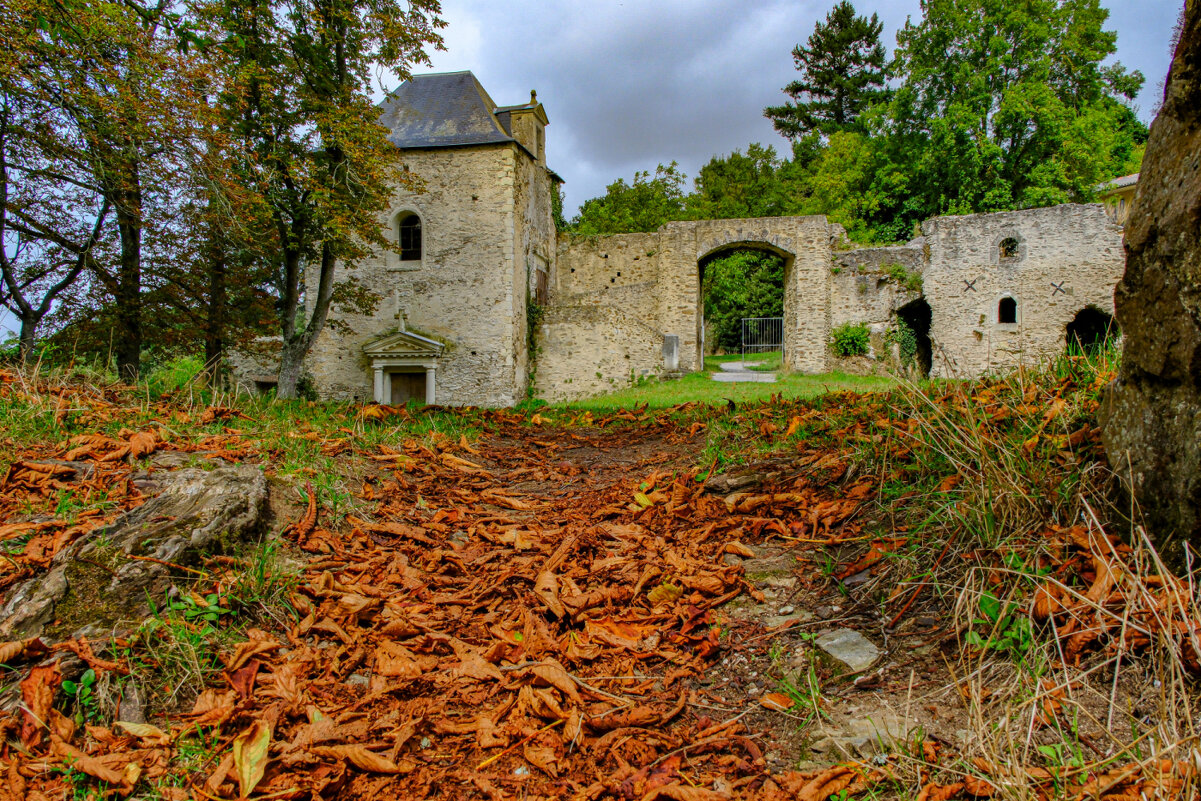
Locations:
column 408, row 221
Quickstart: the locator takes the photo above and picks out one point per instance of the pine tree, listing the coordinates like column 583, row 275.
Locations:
column 842, row 74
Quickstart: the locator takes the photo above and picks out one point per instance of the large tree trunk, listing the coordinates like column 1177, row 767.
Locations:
column 297, row 342
column 129, row 287
column 1151, row 420
column 28, row 337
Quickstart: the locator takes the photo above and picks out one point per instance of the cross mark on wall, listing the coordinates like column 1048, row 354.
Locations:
column 970, row 286
column 1058, row 288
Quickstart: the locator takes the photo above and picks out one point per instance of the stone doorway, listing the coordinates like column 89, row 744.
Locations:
column 1090, row 330
column 916, row 316
column 405, row 387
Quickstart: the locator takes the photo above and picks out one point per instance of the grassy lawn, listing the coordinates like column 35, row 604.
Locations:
column 700, row 388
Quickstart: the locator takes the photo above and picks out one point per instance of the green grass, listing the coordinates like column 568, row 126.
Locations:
column 701, row 388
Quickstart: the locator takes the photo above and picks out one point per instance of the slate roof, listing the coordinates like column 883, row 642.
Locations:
column 442, row 110
column 1119, row 183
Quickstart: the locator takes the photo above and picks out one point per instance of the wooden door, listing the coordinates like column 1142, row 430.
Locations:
column 407, row 387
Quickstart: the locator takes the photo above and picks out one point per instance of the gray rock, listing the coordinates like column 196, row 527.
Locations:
column 850, row 648
column 857, row 580
column 196, row 513
column 776, row 621
column 1151, row 415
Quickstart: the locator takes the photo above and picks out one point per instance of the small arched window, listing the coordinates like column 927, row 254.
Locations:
column 1007, row 310
column 409, row 237
column 1009, row 248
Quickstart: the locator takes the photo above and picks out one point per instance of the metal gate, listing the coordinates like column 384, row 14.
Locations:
column 762, row 338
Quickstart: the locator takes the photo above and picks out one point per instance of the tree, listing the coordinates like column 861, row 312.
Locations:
column 643, row 205
column 740, row 185
column 746, row 283
column 1009, row 105
column 313, row 168
column 50, row 227
column 103, row 82
column 842, row 74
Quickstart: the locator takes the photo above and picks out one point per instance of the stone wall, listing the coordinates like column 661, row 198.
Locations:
column 589, row 349
column 462, row 292
column 1067, row 258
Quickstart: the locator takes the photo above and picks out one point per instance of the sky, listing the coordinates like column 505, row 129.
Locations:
column 630, row 84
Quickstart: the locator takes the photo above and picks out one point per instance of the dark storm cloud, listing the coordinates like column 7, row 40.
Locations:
column 632, row 84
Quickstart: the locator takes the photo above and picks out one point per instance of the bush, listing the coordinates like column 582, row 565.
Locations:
column 851, row 339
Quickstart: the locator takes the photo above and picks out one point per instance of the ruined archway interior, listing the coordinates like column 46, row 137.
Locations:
column 916, row 348
column 1090, row 330
column 738, row 282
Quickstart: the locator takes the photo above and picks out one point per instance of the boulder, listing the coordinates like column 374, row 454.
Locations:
column 94, row 584
column 1151, row 416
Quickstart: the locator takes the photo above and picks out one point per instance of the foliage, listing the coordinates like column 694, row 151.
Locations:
column 842, row 74
column 738, row 185
column 1009, row 105
column 909, row 280
column 851, row 339
column 643, row 205
column 905, row 337
column 746, row 283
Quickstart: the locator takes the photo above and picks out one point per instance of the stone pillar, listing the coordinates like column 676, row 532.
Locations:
column 671, row 352
column 379, row 385
column 1151, row 416
column 429, row 386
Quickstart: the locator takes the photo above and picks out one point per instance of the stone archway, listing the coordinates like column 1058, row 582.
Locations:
column 727, row 249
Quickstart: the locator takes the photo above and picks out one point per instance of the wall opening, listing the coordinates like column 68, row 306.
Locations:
column 917, row 351
column 1090, row 330
column 737, row 282
column 1007, row 311
column 408, row 234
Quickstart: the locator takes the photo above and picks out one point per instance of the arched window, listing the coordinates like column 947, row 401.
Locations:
column 409, row 237
column 1009, row 249
column 1007, row 310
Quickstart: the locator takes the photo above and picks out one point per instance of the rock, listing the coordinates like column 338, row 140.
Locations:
column 850, row 648
column 776, row 621
column 357, row 680
column 857, row 580
column 787, row 610
column 724, row 484
column 826, row 612
column 131, row 708
column 93, row 584
column 733, row 560
column 1151, row 416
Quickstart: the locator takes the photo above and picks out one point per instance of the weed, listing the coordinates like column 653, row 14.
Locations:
column 83, row 693
column 851, row 339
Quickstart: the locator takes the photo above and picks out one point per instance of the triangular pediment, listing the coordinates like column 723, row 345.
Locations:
column 404, row 343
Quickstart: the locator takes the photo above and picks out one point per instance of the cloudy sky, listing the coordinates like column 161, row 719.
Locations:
column 629, row 84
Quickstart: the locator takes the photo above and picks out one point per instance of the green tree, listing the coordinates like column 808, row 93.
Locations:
column 746, row 283
column 643, row 205
column 312, row 166
column 1009, row 104
column 740, row 185
column 842, row 74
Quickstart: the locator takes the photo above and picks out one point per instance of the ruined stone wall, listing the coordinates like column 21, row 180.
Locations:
column 589, row 349
column 1068, row 257
column 461, row 292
